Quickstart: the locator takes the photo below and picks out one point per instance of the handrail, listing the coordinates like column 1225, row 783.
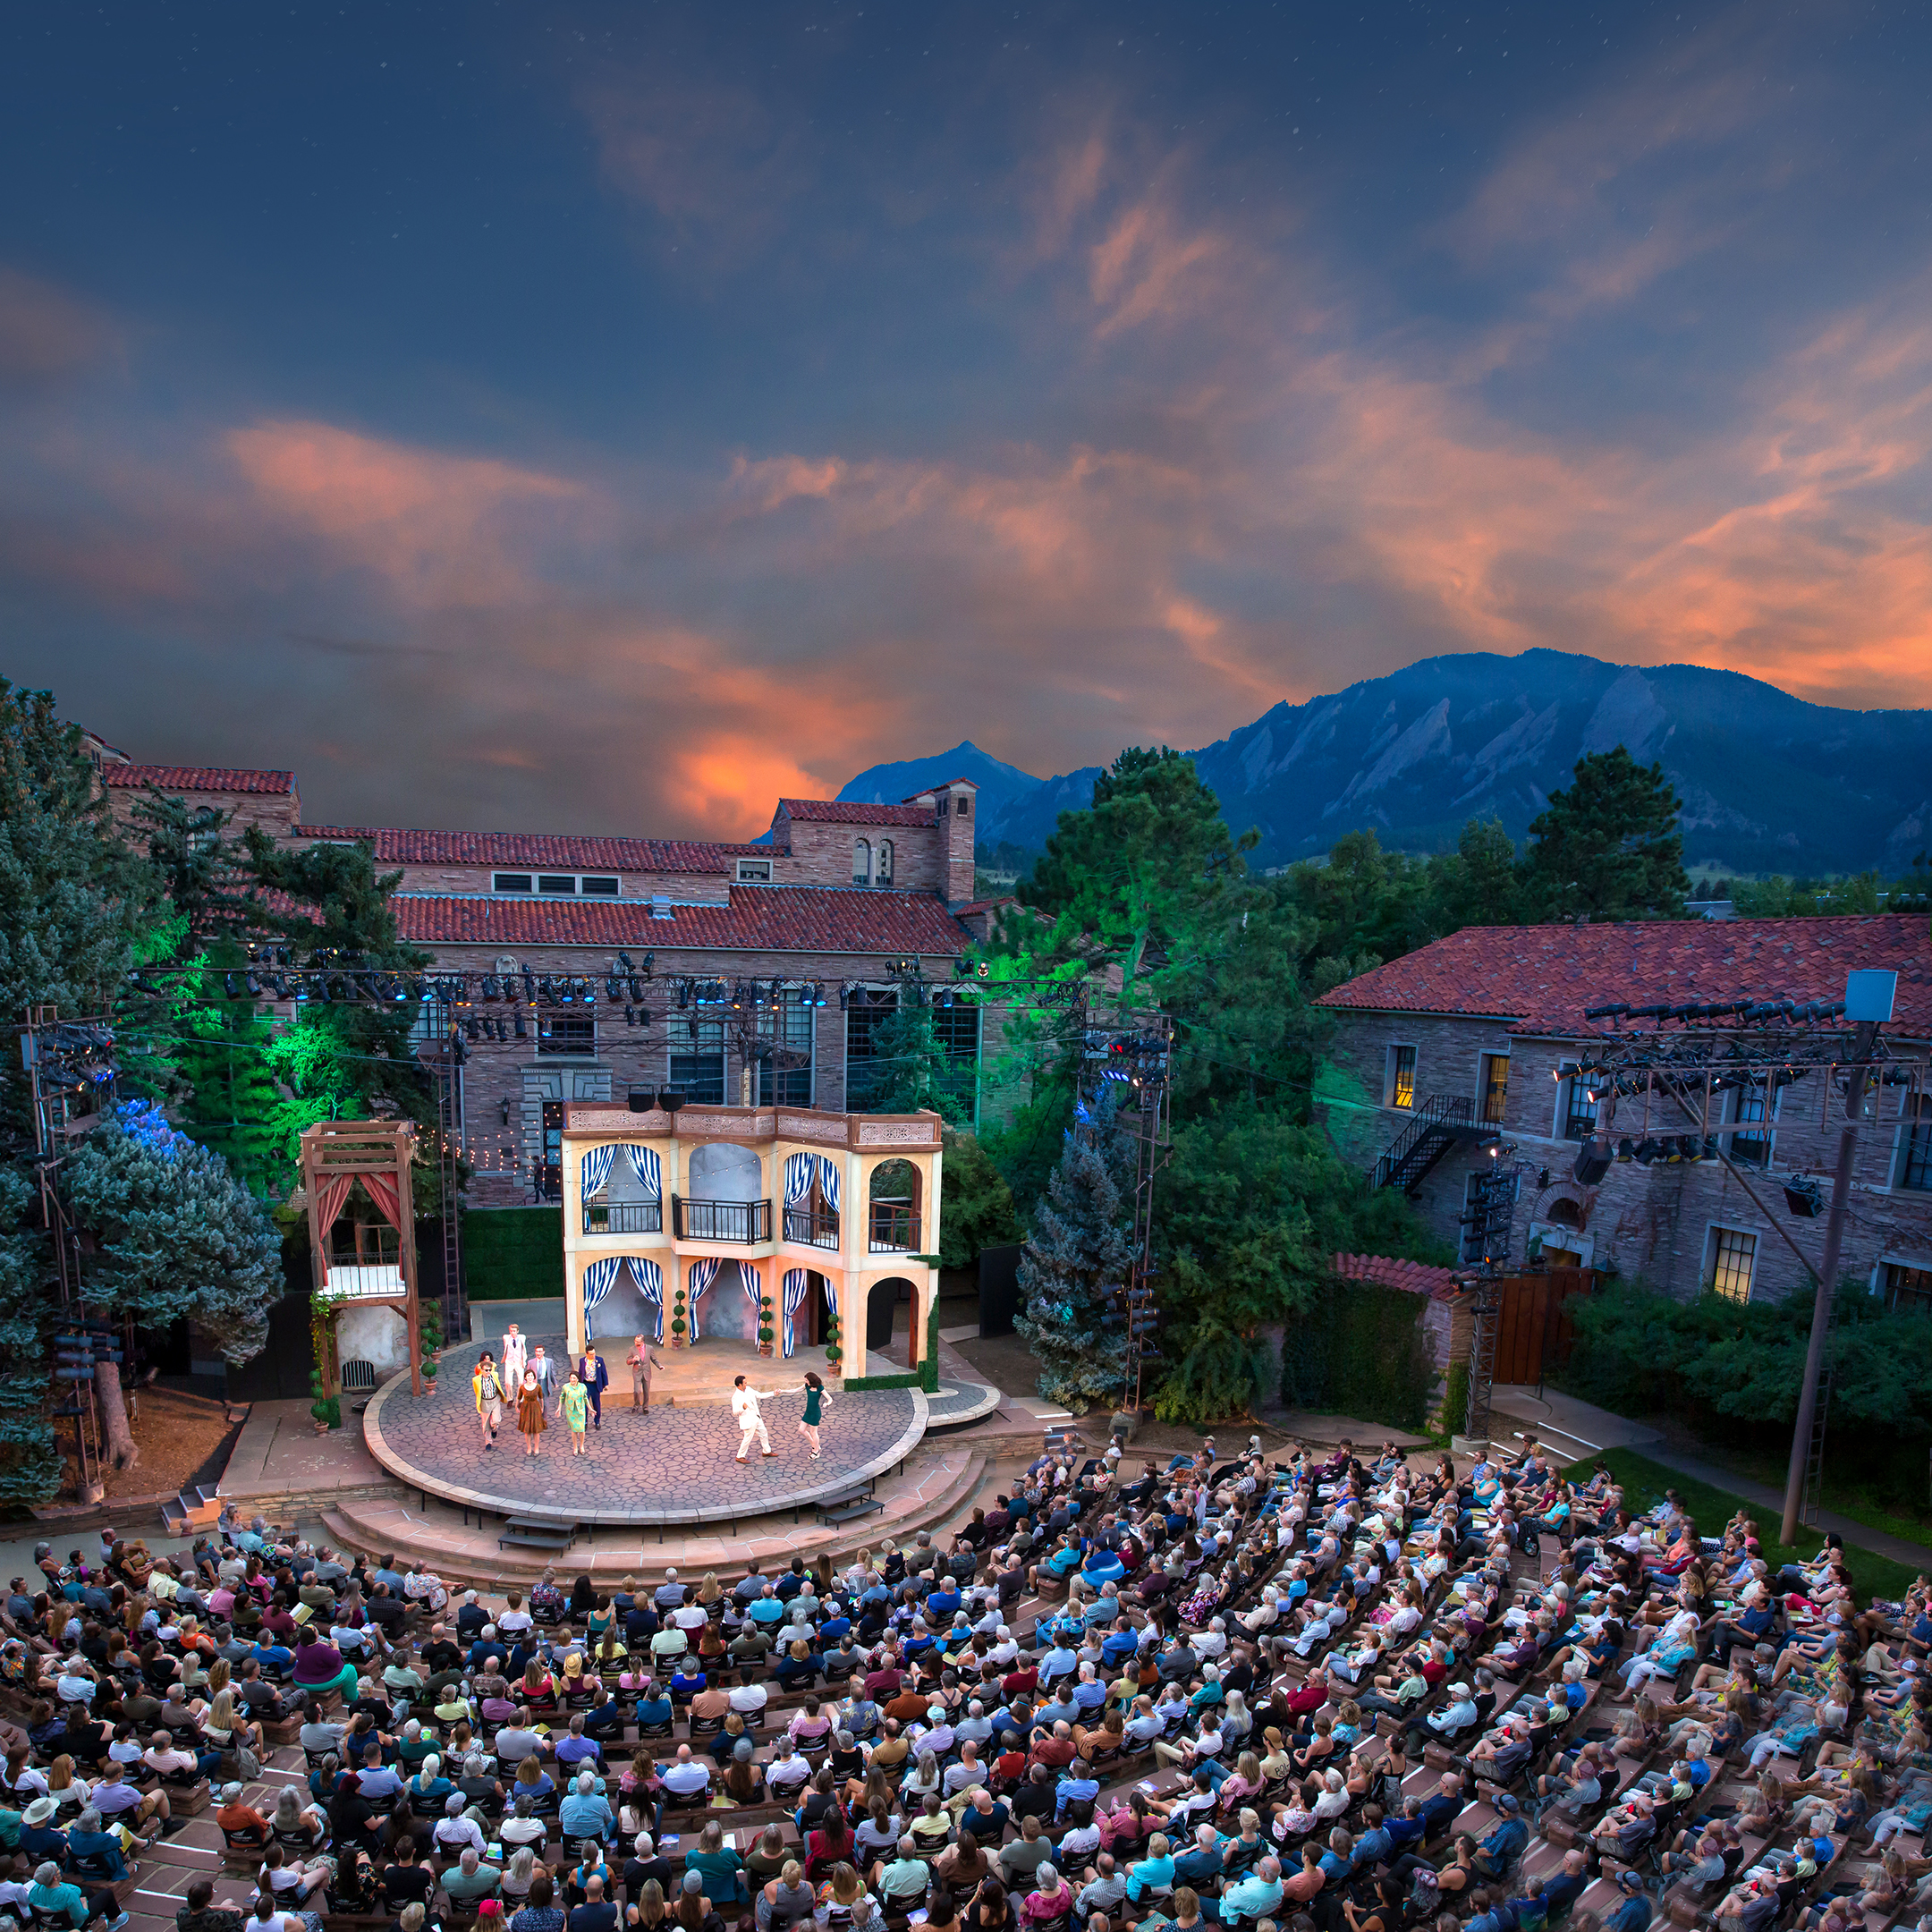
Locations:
column 624, row 1217
column 748, row 1222
column 814, row 1227
column 1439, row 1110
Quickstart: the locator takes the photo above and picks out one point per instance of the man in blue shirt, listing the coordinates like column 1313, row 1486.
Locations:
column 1079, row 1786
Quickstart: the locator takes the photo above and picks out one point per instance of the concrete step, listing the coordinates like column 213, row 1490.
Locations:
column 938, row 1488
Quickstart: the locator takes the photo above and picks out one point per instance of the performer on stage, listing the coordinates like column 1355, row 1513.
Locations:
column 596, row 1379
column 548, row 1379
column 816, row 1402
column 641, row 1362
column 575, row 1404
column 744, row 1406
column 515, row 1353
column 529, row 1410
column 490, row 1398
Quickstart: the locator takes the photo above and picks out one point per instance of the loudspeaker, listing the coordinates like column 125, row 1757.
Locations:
column 1593, row 1160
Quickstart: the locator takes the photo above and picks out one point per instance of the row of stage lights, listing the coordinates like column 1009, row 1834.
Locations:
column 1750, row 1011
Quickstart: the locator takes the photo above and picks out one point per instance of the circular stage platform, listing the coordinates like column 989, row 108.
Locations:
column 675, row 1465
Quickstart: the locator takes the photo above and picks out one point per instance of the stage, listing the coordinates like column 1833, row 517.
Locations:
column 675, row 1465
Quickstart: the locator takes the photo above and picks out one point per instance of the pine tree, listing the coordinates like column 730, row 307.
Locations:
column 911, row 1071
column 1610, row 847
column 175, row 1234
column 1078, row 1252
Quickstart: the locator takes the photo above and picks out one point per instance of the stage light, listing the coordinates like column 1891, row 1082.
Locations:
column 1626, row 1148
column 1711, row 1150
column 683, row 995
column 1688, row 1147
column 520, row 1032
column 503, row 1107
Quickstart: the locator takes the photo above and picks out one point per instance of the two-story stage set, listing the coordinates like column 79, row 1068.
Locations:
column 761, row 1241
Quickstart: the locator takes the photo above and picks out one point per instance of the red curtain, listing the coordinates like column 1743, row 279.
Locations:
column 332, row 1189
column 382, row 1191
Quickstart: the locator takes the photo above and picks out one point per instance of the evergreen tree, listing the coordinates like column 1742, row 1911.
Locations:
column 1079, row 1250
column 30, row 1464
column 910, row 1069
column 1610, row 847
column 975, row 1206
column 173, row 1234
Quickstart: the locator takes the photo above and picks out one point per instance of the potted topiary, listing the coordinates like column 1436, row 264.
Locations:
column 833, row 1354
column 677, row 1319
column 764, row 1330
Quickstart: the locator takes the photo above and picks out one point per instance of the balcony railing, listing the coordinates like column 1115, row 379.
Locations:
column 748, row 1222
column 893, row 1228
column 624, row 1217
column 817, row 1227
column 363, row 1259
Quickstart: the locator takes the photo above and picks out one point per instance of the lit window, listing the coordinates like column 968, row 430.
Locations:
column 556, row 882
column 1400, row 1077
column 511, row 881
column 1494, row 1087
column 600, row 885
column 1906, row 1287
column 1733, row 1256
column 861, row 862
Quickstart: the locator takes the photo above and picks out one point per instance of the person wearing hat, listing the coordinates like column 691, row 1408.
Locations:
column 454, row 1830
column 1503, row 1844
column 40, row 1836
column 1633, row 1911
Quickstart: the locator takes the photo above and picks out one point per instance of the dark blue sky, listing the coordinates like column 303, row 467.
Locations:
column 609, row 417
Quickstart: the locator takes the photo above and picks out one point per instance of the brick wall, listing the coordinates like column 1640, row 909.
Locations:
column 276, row 813
column 1653, row 1222
column 822, row 855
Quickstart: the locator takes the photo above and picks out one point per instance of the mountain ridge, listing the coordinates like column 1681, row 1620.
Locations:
column 1770, row 782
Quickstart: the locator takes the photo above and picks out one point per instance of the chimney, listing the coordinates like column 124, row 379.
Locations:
column 957, row 829
column 660, row 905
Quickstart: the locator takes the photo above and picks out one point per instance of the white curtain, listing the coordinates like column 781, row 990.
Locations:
column 646, row 1166
column 797, row 1284
column 597, row 1167
column 702, row 1274
column 598, row 1279
column 649, row 1278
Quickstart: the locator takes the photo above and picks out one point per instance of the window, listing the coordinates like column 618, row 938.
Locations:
column 792, row 1027
column 754, row 871
column 1579, row 1110
column 962, row 804
column 1906, row 1287
column 1915, row 1146
column 1752, row 1150
column 567, row 1034
column 861, row 862
column 511, row 881
column 556, row 882
column 869, row 1010
column 882, row 872
column 957, row 1030
column 697, row 1065
column 1495, row 1086
column 1399, row 1081
column 1733, row 1256
column 598, row 884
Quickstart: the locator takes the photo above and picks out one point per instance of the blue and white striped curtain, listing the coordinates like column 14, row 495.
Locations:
column 649, row 1278
column 597, row 1167
column 646, row 1166
column 828, row 1180
column 598, row 1279
column 798, row 1177
column 797, row 1283
column 754, row 1288
column 702, row 1274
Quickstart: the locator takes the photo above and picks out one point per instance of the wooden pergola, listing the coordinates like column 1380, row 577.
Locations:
column 334, row 1156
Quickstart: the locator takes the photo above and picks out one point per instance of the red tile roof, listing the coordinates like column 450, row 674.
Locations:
column 196, row 778
column 1419, row 1277
column 945, row 785
column 760, row 919
column 843, row 811
column 1541, row 977
column 561, row 849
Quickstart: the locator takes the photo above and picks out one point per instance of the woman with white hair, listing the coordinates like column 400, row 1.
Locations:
column 1264, row 1613
column 517, row 1874
column 298, row 1826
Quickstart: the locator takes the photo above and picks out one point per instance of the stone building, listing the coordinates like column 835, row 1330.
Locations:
column 1475, row 1032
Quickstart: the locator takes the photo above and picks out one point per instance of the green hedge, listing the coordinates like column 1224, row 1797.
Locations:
column 925, row 1377
column 1360, row 1350
column 512, row 1254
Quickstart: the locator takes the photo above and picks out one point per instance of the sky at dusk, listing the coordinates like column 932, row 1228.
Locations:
column 609, row 417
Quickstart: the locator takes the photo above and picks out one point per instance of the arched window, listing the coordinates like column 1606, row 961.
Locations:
column 883, row 874
column 1565, row 1214
column 861, row 862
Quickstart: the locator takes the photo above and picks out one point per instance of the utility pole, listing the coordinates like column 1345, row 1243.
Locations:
column 1868, row 998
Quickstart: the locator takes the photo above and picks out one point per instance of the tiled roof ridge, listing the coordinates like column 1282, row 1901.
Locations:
column 410, row 845
column 847, row 811
column 1390, row 1271
column 197, row 778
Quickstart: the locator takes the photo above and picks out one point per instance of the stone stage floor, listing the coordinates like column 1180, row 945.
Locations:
column 674, row 1465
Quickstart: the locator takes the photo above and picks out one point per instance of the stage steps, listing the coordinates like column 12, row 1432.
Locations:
column 936, row 1491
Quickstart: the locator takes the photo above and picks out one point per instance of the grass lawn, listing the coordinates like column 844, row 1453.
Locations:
column 1644, row 1483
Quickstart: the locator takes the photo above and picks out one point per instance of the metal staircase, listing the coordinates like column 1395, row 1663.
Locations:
column 1434, row 1127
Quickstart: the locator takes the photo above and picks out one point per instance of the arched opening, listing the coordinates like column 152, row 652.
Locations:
column 882, row 871
column 861, row 862
column 890, row 1343
column 727, row 1201
column 893, row 1208
column 1566, row 1213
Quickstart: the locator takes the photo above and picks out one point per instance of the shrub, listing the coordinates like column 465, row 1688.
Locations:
column 1359, row 1350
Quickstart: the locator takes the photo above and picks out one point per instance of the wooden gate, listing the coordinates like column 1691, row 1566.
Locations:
column 1534, row 1332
